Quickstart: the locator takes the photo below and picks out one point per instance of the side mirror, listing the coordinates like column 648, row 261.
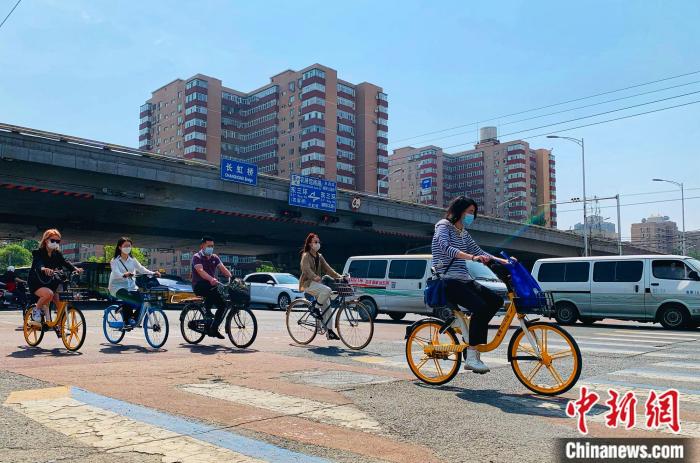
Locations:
column 693, row 275
column 270, row 282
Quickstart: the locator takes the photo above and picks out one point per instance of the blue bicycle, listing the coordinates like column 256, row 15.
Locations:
column 150, row 316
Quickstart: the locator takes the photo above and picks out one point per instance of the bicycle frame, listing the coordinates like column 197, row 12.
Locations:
column 461, row 323
column 146, row 307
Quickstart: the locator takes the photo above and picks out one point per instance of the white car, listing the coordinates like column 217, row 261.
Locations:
column 273, row 289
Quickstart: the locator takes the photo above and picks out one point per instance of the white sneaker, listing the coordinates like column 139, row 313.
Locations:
column 474, row 363
column 36, row 317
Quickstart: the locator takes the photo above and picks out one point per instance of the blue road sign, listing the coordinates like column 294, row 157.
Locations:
column 239, row 172
column 314, row 193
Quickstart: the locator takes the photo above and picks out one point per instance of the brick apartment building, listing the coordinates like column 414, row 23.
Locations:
column 307, row 122
column 657, row 233
column 508, row 180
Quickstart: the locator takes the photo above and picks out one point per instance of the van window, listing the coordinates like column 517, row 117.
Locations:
column 407, row 269
column 618, row 271
column 570, row 272
column 670, row 270
column 367, row 268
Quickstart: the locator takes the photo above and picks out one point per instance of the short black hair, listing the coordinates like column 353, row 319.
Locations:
column 458, row 206
column 206, row 238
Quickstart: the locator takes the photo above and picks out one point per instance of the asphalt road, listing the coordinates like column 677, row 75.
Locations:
column 281, row 402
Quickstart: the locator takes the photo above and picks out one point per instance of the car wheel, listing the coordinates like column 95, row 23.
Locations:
column 565, row 313
column 283, row 301
column 397, row 316
column 371, row 307
column 674, row 317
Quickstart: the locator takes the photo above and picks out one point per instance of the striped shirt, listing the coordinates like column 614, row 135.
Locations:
column 447, row 241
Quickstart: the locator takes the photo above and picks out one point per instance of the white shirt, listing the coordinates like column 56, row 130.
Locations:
column 119, row 268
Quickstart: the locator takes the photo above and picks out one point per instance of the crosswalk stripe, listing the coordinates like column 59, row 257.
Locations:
column 688, row 428
column 660, row 334
column 345, row 415
column 628, row 341
column 659, row 373
column 676, row 364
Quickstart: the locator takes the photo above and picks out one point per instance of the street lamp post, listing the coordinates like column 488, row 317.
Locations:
column 387, row 177
column 579, row 142
column 680, row 185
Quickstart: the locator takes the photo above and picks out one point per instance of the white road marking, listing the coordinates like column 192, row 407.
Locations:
column 345, row 415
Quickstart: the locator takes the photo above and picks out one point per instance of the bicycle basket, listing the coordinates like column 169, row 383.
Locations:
column 541, row 303
column 343, row 288
column 239, row 293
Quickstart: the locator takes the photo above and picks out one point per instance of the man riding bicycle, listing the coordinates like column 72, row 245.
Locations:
column 204, row 283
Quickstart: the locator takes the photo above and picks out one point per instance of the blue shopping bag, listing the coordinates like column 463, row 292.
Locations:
column 434, row 292
column 528, row 291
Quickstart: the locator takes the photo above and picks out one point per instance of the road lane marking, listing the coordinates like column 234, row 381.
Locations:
column 117, row 427
column 346, row 415
column 659, row 373
column 675, row 364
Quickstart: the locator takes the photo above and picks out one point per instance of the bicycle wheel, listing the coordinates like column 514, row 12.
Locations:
column 32, row 334
column 354, row 325
column 301, row 325
column 241, row 327
column 560, row 357
column 111, row 323
column 191, row 313
column 435, row 367
column 156, row 328
column 73, row 329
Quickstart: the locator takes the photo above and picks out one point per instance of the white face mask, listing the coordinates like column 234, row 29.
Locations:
column 316, row 246
column 126, row 250
column 53, row 246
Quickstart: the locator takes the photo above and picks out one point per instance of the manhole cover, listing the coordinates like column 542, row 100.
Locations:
column 335, row 379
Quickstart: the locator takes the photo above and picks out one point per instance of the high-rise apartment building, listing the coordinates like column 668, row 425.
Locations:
column 509, row 180
column 657, row 233
column 307, row 122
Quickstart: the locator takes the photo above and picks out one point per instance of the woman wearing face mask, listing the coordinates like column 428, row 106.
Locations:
column 313, row 268
column 122, row 284
column 452, row 243
column 45, row 261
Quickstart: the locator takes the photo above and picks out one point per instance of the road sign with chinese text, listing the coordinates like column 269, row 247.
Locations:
column 313, row 193
column 233, row 170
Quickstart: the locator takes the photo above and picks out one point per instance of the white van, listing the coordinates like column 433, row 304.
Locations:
column 394, row 284
column 647, row 288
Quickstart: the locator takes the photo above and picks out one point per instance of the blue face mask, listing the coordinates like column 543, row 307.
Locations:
column 209, row 250
column 467, row 220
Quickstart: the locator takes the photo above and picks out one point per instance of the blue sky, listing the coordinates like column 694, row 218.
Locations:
column 85, row 67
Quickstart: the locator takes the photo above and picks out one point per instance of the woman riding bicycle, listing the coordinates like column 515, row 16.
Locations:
column 313, row 268
column 453, row 245
column 122, row 284
column 45, row 261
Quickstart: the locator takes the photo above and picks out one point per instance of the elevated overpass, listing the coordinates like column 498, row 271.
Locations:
column 95, row 192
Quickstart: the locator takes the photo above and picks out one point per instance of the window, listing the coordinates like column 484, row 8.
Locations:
column 258, row 279
column 312, row 87
column 313, row 100
column 570, row 272
column 618, row 271
column 291, row 99
column 670, row 270
column 313, row 73
column 346, row 115
column 368, row 268
column 292, row 86
column 196, row 96
column 517, row 146
column 196, row 109
column 346, row 102
column 344, row 88
column 407, row 269
column 345, row 141
column 196, row 83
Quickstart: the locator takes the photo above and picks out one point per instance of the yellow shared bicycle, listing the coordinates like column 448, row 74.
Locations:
column 545, row 358
column 69, row 322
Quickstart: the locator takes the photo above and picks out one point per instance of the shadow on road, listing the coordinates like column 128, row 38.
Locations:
column 517, row 404
column 121, row 348
column 335, row 351
column 206, row 349
column 31, row 352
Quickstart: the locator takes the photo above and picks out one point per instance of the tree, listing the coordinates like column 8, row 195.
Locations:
column 136, row 253
column 29, row 245
column 15, row 255
column 267, row 267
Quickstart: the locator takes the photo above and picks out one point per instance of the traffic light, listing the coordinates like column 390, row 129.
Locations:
column 326, row 218
column 288, row 214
